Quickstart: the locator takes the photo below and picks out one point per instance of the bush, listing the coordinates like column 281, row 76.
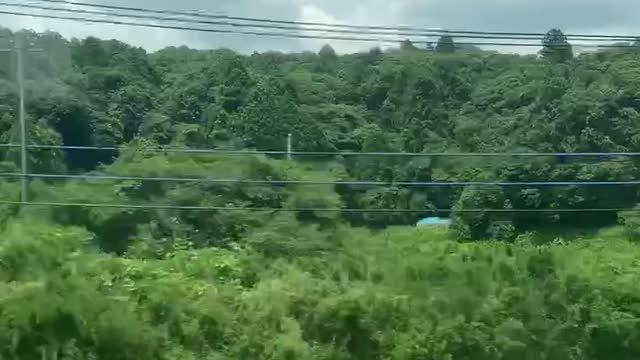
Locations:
column 502, row 230
column 472, row 221
column 285, row 237
column 630, row 220
column 413, row 297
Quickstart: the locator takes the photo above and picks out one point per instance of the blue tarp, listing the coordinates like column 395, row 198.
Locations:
column 433, row 221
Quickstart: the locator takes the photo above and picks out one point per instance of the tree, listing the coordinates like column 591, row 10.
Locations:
column 270, row 114
column 556, row 48
column 90, row 52
column 631, row 223
column 407, row 45
column 472, row 215
column 375, row 52
column 327, row 52
column 395, row 101
column 445, row 45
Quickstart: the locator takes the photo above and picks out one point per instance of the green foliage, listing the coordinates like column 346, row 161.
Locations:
column 407, row 45
column 631, row 222
column 284, row 237
column 401, row 294
column 249, row 263
column 555, row 47
column 473, row 217
column 107, row 93
column 9, row 191
column 270, row 115
column 327, row 53
column 502, row 230
column 445, row 45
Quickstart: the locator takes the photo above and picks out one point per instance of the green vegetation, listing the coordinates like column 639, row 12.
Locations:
column 224, row 281
column 398, row 294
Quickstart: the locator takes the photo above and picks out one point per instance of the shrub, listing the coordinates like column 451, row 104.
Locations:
column 502, row 230
column 630, row 220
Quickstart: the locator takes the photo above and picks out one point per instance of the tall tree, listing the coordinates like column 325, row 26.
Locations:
column 407, row 45
column 327, row 52
column 446, row 45
column 556, row 47
column 270, row 114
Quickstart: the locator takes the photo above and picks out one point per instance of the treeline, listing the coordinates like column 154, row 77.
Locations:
column 106, row 93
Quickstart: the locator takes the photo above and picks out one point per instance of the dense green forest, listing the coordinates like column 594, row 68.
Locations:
column 230, row 281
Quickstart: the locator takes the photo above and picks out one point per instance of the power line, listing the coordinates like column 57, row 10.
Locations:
column 285, row 35
column 261, row 26
column 317, row 182
column 186, row 28
column 346, row 210
column 299, row 28
column 326, row 153
column 304, row 23
column 218, row 31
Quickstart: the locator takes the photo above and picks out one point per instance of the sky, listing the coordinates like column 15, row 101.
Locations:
column 615, row 17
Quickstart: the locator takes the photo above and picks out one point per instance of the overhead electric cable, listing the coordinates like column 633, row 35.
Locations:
column 326, row 29
column 283, row 34
column 318, row 182
column 304, row 23
column 325, row 153
column 207, row 30
column 346, row 210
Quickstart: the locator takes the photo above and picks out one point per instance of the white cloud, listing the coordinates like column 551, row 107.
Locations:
column 312, row 13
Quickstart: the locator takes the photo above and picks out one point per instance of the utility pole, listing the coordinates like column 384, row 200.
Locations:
column 19, row 48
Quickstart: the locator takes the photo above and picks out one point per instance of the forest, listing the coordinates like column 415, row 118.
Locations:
column 166, row 220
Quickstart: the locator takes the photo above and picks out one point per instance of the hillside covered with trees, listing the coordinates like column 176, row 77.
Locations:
column 152, row 253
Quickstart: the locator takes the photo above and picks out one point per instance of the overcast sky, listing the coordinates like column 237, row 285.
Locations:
column 574, row 16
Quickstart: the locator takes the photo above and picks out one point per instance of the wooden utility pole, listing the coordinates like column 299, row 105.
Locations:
column 19, row 49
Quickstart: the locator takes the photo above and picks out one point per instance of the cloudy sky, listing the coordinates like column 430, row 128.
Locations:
column 573, row 16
